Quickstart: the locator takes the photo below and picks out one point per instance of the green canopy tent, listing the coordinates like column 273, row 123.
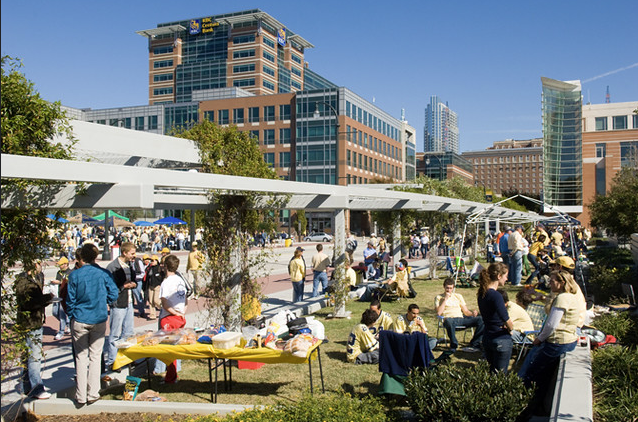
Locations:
column 111, row 214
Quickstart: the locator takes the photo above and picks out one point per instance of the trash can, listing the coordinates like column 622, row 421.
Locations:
column 115, row 251
column 288, row 242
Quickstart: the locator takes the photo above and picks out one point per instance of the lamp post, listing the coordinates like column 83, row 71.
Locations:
column 428, row 161
column 317, row 114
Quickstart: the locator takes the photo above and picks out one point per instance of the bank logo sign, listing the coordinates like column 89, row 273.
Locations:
column 281, row 37
column 202, row 26
column 195, row 26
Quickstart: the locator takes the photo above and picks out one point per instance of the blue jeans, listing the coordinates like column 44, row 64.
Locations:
column 319, row 277
column 121, row 326
column 498, row 352
column 541, row 362
column 31, row 377
column 297, row 291
column 372, row 272
column 139, row 300
column 534, row 260
column 450, row 325
column 58, row 312
column 516, row 266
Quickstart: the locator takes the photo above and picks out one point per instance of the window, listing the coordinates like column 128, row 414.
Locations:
column 113, row 122
column 269, row 56
column 244, row 68
column 629, row 154
column 163, row 77
column 163, row 91
column 601, row 123
column 620, row 122
column 296, row 58
column 348, row 157
column 238, row 115
column 255, row 135
column 269, row 158
column 152, row 122
column 253, row 114
column 270, row 43
column 601, row 150
column 162, row 63
column 634, row 117
column 295, row 71
column 165, row 49
column 284, row 159
column 243, row 53
column 269, row 113
column 139, row 123
column 127, row 122
column 295, row 85
column 209, row 115
column 244, row 82
column 284, row 112
column 244, row 39
column 269, row 70
column 222, row 117
column 269, row 137
column 284, row 136
column 269, row 85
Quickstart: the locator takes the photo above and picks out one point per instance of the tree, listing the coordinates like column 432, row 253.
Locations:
column 28, row 125
column 231, row 220
column 618, row 210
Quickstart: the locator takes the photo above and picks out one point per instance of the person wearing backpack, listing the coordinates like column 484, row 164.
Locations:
column 351, row 246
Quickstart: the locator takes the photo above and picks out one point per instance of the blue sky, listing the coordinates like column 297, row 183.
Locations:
column 484, row 58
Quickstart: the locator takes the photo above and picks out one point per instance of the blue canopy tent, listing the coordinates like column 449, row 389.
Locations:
column 170, row 221
column 143, row 223
column 59, row 219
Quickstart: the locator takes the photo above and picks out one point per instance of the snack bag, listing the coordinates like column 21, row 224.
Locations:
column 130, row 388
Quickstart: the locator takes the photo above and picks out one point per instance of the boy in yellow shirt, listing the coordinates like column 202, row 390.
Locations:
column 363, row 347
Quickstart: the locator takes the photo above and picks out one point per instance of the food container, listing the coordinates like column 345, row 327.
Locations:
column 226, row 340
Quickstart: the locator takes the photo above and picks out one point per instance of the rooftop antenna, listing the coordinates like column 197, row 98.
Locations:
column 607, row 97
column 403, row 115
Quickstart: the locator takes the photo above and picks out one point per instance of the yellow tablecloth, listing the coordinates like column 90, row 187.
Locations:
column 168, row 353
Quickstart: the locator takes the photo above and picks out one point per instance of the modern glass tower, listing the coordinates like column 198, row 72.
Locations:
column 441, row 131
column 562, row 144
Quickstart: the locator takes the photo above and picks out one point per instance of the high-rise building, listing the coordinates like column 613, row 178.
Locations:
column 562, row 145
column 441, row 132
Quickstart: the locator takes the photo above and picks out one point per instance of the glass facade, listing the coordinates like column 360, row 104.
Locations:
column 562, row 143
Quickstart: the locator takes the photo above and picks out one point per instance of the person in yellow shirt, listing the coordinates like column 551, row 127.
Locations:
column 363, row 347
column 412, row 322
column 384, row 320
column 297, row 270
column 194, row 266
column 519, row 316
column 399, row 280
column 451, row 306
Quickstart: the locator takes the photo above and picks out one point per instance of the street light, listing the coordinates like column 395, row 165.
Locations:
column 427, row 163
column 316, row 115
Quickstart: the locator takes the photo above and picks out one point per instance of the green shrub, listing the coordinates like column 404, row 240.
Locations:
column 341, row 407
column 610, row 257
column 605, row 282
column 451, row 393
column 620, row 325
column 615, row 377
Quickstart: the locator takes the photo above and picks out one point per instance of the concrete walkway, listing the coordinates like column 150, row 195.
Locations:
column 58, row 370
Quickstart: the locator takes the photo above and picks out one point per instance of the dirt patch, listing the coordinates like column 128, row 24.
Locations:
column 109, row 417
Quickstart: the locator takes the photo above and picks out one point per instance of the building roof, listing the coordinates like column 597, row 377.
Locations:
column 164, row 30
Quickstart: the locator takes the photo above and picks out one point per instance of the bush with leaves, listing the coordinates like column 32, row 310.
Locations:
column 621, row 325
column 453, row 393
column 340, row 407
column 615, row 378
column 606, row 282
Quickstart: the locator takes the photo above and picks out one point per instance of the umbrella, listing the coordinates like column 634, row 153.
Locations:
column 170, row 221
column 59, row 219
column 113, row 222
column 143, row 223
column 111, row 214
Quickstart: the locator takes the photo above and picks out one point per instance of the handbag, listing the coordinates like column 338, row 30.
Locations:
column 187, row 285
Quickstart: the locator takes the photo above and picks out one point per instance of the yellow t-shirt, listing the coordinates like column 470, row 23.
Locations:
column 361, row 341
column 384, row 322
column 452, row 306
column 566, row 330
column 401, row 325
column 351, row 277
column 400, row 282
column 520, row 317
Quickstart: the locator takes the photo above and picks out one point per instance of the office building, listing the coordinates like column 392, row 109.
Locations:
column 509, row 166
column 441, row 166
column 441, row 133
column 562, row 145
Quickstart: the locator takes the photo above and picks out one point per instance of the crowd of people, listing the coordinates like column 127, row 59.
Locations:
column 87, row 297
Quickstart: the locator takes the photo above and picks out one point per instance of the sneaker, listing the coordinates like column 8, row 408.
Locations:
column 67, row 330
column 470, row 349
column 58, row 336
column 42, row 396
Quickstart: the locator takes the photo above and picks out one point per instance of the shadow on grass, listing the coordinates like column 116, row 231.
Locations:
column 341, row 356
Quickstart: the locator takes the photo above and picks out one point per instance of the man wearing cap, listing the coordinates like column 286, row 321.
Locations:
column 194, row 266
column 369, row 257
column 297, row 271
column 399, row 280
column 320, row 264
column 515, row 246
column 58, row 311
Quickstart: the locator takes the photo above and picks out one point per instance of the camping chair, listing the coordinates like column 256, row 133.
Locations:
column 440, row 327
column 538, row 315
column 628, row 290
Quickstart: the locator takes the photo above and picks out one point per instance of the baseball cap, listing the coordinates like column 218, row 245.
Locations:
column 194, row 243
column 165, row 250
column 63, row 260
column 565, row 262
column 508, row 228
column 400, row 266
column 299, row 248
column 146, row 256
column 155, row 258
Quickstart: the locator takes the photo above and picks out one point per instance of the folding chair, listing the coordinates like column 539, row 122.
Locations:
column 440, row 327
column 628, row 290
column 538, row 315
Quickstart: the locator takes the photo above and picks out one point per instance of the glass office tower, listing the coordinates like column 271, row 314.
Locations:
column 441, row 131
column 562, row 144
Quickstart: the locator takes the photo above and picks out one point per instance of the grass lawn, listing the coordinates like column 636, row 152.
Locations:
column 273, row 382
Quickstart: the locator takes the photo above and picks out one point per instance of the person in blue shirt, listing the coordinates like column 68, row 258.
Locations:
column 503, row 247
column 90, row 289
